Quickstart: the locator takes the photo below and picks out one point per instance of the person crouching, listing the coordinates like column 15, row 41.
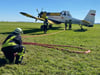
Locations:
column 12, row 47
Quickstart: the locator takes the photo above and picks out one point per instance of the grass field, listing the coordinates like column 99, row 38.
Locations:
column 47, row 61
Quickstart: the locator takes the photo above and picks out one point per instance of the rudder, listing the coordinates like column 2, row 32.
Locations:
column 90, row 17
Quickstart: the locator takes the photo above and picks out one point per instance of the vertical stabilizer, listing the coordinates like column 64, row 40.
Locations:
column 90, row 17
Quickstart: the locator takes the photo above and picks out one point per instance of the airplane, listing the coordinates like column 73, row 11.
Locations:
column 61, row 17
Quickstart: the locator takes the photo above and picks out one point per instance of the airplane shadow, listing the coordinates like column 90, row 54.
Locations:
column 80, row 30
column 34, row 31
column 2, row 62
column 31, row 30
column 6, row 33
column 55, row 28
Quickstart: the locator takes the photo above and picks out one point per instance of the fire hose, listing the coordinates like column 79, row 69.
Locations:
column 56, row 47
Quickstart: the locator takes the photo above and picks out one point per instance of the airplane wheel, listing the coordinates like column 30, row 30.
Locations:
column 50, row 26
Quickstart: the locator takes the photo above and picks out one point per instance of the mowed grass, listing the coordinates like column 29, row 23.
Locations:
column 47, row 61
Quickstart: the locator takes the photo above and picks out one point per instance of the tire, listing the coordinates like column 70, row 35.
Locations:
column 50, row 26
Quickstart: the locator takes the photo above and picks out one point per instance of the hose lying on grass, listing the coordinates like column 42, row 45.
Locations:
column 56, row 47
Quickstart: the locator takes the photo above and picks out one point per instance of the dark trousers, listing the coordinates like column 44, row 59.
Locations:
column 70, row 26
column 9, row 53
column 17, row 61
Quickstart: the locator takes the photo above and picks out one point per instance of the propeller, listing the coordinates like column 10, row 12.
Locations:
column 35, row 20
column 41, row 9
column 38, row 13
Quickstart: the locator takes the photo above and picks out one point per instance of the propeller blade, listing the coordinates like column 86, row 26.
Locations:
column 37, row 11
column 35, row 20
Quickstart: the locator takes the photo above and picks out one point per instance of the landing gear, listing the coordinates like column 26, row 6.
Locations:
column 81, row 27
column 50, row 26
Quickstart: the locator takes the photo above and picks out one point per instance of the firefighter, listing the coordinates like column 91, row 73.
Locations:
column 12, row 47
column 46, row 21
column 66, row 22
column 45, row 24
column 70, row 24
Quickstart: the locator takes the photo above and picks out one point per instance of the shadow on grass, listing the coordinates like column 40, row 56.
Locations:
column 56, row 28
column 31, row 30
column 2, row 62
column 34, row 30
column 80, row 30
column 6, row 33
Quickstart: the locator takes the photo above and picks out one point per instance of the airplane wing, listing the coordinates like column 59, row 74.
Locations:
column 42, row 19
column 51, row 22
column 28, row 15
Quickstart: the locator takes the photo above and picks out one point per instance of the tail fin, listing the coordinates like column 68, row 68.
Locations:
column 90, row 18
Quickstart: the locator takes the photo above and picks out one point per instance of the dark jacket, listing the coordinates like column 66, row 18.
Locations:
column 17, row 39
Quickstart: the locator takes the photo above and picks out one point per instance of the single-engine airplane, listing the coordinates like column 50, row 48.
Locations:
column 61, row 17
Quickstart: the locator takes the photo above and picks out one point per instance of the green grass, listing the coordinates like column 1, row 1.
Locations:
column 46, row 61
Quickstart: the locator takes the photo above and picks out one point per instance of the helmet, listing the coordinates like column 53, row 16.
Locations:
column 46, row 17
column 18, row 30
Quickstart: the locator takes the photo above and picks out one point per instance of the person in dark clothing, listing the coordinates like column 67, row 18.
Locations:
column 70, row 24
column 46, row 21
column 45, row 24
column 66, row 22
column 12, row 47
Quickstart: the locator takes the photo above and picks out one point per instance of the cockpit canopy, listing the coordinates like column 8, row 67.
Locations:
column 65, row 13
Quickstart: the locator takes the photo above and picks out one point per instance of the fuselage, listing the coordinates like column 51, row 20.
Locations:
column 59, row 17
